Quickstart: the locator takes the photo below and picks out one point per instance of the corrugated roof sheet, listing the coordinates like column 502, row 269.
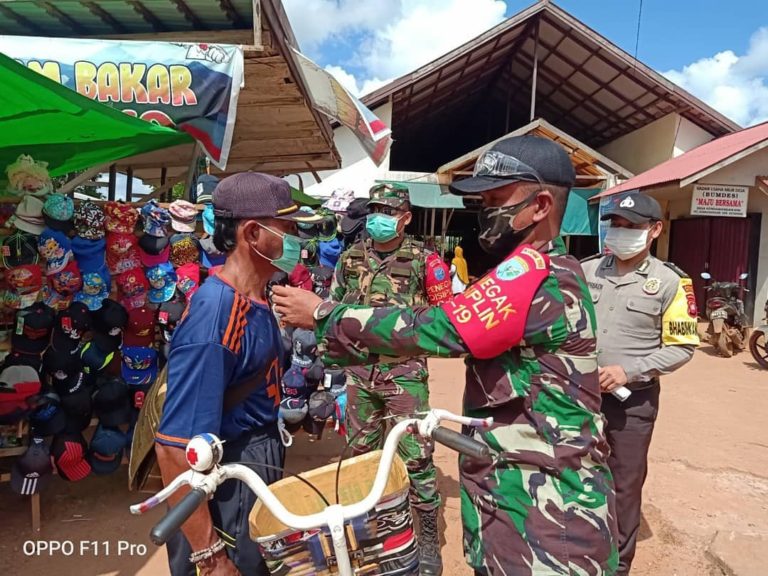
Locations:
column 696, row 160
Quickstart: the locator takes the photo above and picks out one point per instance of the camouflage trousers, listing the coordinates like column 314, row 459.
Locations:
column 374, row 397
column 536, row 509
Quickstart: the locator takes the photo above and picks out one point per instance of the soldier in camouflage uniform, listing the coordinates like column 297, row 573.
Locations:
column 388, row 269
column 545, row 504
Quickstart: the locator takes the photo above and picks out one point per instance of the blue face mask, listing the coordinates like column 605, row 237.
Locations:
column 381, row 227
column 291, row 251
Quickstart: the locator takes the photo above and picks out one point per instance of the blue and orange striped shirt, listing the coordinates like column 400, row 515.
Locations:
column 223, row 339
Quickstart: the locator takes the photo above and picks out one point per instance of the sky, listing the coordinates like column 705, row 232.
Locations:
column 716, row 49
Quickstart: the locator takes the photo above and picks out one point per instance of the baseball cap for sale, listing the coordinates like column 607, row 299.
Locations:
column 304, row 347
column 19, row 249
column 155, row 218
column 69, row 451
column 162, row 282
column 636, row 207
column 111, row 403
column 212, row 256
column 133, row 287
column 32, row 471
column 139, row 365
column 168, row 317
column 252, row 195
column 74, row 321
column 183, row 216
column 188, row 280
column 106, row 450
column 24, row 285
column 140, row 330
column 95, row 289
column 56, row 248
column 120, row 217
column 519, row 158
column 122, row 252
column 154, row 250
column 111, row 318
column 98, row 353
column 17, row 383
column 47, row 417
column 204, row 188
column 33, row 329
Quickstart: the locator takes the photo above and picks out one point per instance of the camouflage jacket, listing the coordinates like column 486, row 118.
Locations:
column 363, row 277
column 544, row 395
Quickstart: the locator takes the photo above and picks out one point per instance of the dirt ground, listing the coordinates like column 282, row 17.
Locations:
column 708, row 473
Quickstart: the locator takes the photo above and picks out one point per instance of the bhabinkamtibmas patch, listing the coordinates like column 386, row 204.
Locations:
column 490, row 316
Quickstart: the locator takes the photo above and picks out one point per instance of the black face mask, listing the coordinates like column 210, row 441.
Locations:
column 497, row 233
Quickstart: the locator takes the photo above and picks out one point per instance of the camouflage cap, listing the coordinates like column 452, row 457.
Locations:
column 394, row 195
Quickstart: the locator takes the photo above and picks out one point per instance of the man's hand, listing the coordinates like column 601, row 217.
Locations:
column 295, row 305
column 218, row 565
column 611, row 377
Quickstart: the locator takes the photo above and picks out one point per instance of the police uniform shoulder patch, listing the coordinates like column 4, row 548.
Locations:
column 590, row 258
column 676, row 270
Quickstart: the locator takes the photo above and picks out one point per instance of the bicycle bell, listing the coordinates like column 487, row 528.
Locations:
column 204, row 452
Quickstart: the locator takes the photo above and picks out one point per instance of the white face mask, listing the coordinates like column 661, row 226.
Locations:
column 626, row 243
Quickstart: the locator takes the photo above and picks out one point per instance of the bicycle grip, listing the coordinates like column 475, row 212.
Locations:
column 176, row 516
column 460, row 442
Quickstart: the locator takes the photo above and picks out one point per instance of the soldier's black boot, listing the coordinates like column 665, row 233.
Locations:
column 430, row 560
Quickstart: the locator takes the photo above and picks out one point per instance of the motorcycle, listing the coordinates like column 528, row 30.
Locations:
column 727, row 329
column 758, row 342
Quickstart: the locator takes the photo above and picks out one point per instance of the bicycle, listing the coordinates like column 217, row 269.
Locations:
column 204, row 454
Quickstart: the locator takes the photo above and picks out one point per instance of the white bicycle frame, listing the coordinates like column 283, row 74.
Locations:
column 334, row 515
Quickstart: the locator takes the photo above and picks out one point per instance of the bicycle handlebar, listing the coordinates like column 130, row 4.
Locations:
column 205, row 483
column 176, row 516
column 461, row 443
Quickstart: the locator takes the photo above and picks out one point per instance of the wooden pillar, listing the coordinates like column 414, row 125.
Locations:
column 535, row 71
column 129, row 185
column 112, row 182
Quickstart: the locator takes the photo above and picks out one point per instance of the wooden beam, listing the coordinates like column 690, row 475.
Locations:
column 28, row 24
column 231, row 13
column 105, row 16
column 257, row 36
column 65, row 19
column 148, row 16
column 81, row 179
column 191, row 17
column 535, row 71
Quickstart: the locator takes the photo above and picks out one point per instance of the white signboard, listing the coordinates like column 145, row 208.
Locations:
column 717, row 200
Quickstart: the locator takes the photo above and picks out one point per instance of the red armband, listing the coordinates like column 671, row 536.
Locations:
column 490, row 316
column 437, row 280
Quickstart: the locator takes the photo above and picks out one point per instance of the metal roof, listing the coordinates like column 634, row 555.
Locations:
column 585, row 85
column 591, row 166
column 78, row 18
column 697, row 163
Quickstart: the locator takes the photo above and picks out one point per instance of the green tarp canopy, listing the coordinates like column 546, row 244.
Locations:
column 429, row 195
column 70, row 132
column 581, row 218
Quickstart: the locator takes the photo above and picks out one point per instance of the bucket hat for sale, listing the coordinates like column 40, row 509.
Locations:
column 28, row 216
column 120, row 217
column 58, row 211
column 89, row 220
